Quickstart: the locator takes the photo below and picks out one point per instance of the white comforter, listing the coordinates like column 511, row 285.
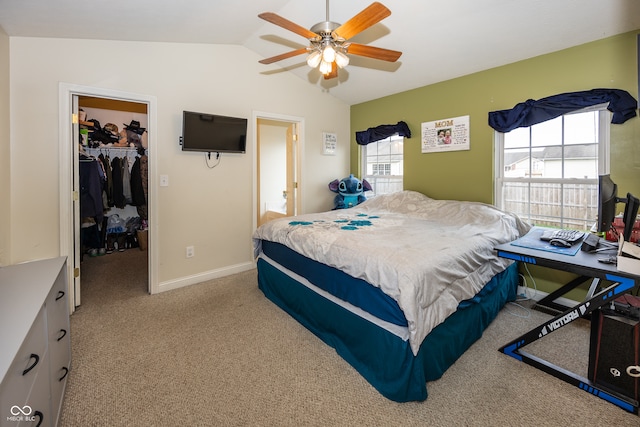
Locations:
column 428, row 255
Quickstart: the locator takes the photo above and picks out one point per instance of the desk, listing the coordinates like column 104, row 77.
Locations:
column 586, row 265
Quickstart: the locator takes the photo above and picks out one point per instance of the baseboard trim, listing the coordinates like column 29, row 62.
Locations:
column 538, row 295
column 203, row 277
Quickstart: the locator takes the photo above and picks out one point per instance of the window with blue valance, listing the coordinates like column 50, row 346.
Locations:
column 531, row 112
column 381, row 132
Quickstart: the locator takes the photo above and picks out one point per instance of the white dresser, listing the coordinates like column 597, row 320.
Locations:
column 35, row 346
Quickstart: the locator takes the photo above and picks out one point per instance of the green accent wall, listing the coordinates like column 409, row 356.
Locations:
column 468, row 175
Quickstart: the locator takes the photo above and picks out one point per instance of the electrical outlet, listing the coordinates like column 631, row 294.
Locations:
column 190, row 251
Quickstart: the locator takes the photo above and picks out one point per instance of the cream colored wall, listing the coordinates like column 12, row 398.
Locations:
column 210, row 209
column 5, row 159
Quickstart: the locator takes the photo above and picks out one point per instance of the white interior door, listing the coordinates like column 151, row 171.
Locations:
column 77, row 244
column 291, row 165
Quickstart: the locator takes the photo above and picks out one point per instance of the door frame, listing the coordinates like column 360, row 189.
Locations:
column 299, row 156
column 67, row 157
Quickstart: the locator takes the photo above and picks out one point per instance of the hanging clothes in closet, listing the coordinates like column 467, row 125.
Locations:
column 139, row 183
column 92, row 176
column 126, row 181
column 108, row 186
column 125, row 184
column 117, row 183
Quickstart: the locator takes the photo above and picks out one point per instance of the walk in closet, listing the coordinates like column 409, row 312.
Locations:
column 113, row 177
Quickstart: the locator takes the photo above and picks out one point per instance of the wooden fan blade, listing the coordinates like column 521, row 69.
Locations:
column 373, row 52
column 288, row 25
column 283, row 56
column 333, row 73
column 369, row 16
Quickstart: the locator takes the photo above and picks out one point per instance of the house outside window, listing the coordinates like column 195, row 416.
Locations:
column 548, row 173
column 383, row 165
column 381, row 168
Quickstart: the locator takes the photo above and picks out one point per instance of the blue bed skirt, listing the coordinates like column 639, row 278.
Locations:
column 381, row 357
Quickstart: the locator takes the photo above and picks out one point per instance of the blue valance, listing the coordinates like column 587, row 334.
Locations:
column 531, row 112
column 381, row 132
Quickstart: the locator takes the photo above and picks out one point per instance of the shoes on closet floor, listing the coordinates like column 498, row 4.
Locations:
column 111, row 243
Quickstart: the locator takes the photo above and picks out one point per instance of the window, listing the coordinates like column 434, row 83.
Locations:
column 548, row 173
column 383, row 165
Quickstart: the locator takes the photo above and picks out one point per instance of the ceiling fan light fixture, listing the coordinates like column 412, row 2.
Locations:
column 314, row 58
column 329, row 53
column 342, row 60
column 325, row 67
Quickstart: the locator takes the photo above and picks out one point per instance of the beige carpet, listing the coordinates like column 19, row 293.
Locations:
column 220, row 354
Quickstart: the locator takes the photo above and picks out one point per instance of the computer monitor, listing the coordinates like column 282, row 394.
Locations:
column 630, row 214
column 607, row 201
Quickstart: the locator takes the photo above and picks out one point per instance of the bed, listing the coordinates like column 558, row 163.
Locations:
column 400, row 285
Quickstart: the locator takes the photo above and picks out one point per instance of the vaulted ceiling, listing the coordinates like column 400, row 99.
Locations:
column 440, row 39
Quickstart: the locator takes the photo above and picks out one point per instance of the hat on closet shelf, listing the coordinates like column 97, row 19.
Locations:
column 111, row 128
column 135, row 127
column 96, row 125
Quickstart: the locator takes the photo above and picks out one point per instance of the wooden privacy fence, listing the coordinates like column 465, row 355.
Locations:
column 552, row 204
column 383, row 184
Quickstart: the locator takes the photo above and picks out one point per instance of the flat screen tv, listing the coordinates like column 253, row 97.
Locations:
column 211, row 133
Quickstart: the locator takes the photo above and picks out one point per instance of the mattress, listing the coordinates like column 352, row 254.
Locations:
column 424, row 257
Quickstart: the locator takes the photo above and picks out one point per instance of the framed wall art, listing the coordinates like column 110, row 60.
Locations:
column 329, row 143
column 445, row 135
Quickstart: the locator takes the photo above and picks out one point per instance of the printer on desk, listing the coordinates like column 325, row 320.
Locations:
column 628, row 257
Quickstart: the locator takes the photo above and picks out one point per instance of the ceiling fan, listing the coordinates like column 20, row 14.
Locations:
column 329, row 41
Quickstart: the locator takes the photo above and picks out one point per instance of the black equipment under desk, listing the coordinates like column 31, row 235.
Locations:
column 586, row 265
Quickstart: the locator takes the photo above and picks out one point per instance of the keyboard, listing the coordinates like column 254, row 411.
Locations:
column 570, row 236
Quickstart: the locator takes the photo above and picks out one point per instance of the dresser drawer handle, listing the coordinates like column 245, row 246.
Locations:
column 40, row 417
column 66, row 371
column 63, row 333
column 35, row 362
column 60, row 295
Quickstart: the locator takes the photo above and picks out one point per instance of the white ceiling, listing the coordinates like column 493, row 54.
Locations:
column 440, row 39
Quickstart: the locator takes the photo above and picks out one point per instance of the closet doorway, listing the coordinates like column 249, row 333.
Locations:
column 278, row 160
column 113, row 212
column 87, row 116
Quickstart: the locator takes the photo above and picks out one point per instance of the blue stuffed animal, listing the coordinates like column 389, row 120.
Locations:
column 350, row 191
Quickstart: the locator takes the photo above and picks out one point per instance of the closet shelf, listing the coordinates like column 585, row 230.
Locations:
column 106, row 147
